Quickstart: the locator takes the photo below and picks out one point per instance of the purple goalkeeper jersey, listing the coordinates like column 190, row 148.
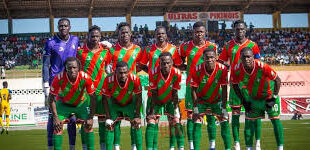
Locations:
column 59, row 51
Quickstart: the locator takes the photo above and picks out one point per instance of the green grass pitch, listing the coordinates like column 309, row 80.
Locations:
column 296, row 137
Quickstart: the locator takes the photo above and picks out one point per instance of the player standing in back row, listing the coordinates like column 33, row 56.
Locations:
column 150, row 60
column 130, row 53
column 94, row 59
column 231, row 53
column 193, row 51
column 56, row 51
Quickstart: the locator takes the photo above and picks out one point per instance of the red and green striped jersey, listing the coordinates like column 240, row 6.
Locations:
column 71, row 93
column 208, row 85
column 194, row 55
column 121, row 95
column 94, row 64
column 256, row 82
column 130, row 56
column 151, row 54
column 165, row 86
column 231, row 51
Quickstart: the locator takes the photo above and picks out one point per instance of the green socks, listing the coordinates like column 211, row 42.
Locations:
column 226, row 134
column 171, row 135
column 249, row 132
column 211, row 127
column 117, row 133
column 102, row 133
column 197, row 135
column 109, row 140
column 57, row 140
column 278, row 131
column 137, row 137
column 179, row 135
column 190, row 126
column 149, row 136
column 155, row 137
column 235, row 127
column 258, row 128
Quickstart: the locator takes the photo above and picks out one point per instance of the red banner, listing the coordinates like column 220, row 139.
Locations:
column 289, row 105
column 203, row 16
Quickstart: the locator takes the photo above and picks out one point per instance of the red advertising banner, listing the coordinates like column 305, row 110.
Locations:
column 294, row 83
column 289, row 105
column 203, row 16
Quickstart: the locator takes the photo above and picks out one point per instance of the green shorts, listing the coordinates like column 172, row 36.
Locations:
column 210, row 108
column 188, row 98
column 117, row 110
column 64, row 111
column 99, row 105
column 259, row 107
column 168, row 107
column 234, row 100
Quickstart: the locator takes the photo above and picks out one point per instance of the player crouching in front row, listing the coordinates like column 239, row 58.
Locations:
column 66, row 98
column 164, row 83
column 257, row 94
column 209, row 93
column 118, row 101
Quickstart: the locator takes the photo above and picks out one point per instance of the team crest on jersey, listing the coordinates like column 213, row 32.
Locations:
column 61, row 49
column 88, row 58
column 257, row 80
column 73, row 46
column 204, row 80
column 193, row 53
column 151, row 83
column 216, row 80
column 129, row 92
column 92, row 87
column 52, row 88
column 101, row 58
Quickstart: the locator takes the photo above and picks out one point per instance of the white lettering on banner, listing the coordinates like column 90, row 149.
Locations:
column 308, row 108
column 203, row 16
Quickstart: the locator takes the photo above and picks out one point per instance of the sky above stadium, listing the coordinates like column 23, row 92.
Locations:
column 109, row 23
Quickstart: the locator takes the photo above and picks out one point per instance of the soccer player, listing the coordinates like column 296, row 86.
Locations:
column 193, row 51
column 164, row 83
column 150, row 60
column 253, row 77
column 231, row 53
column 66, row 97
column 56, row 51
column 94, row 59
column 5, row 97
column 125, row 50
column 150, row 55
column 209, row 93
column 130, row 53
column 118, row 100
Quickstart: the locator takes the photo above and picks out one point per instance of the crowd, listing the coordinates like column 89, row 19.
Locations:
column 279, row 47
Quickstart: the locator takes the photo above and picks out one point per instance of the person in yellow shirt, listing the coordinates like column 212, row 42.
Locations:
column 5, row 96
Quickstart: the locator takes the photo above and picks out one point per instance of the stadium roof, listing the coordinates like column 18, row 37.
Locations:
column 109, row 8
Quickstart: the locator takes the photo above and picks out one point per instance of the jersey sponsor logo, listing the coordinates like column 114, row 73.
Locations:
column 204, row 80
column 61, row 49
column 193, row 53
column 88, row 58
